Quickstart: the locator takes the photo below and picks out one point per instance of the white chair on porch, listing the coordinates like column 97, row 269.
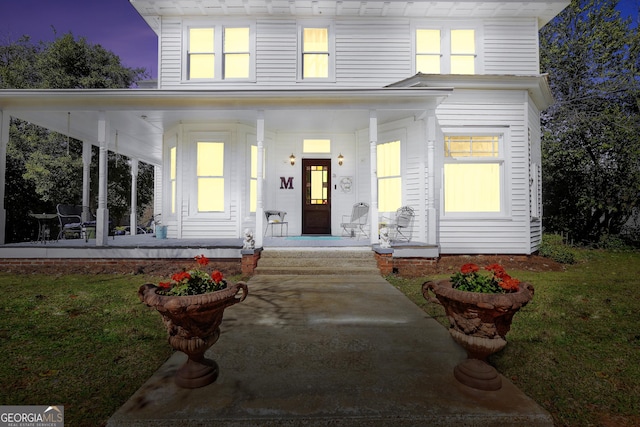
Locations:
column 401, row 227
column 355, row 224
column 276, row 218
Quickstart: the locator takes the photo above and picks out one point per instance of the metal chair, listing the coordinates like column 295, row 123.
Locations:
column 401, row 227
column 356, row 223
column 71, row 224
column 276, row 218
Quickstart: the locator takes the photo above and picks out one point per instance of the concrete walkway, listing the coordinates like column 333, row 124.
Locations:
column 328, row 350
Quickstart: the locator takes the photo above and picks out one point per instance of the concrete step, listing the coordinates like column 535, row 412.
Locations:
column 317, row 262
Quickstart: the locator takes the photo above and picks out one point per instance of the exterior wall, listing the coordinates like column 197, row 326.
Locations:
column 511, row 47
column 188, row 223
column 370, row 52
column 489, row 234
column 535, row 177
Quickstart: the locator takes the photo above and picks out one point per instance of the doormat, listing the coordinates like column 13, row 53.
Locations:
column 314, row 238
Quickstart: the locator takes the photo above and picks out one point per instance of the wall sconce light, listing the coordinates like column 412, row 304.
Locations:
column 340, row 159
column 292, row 159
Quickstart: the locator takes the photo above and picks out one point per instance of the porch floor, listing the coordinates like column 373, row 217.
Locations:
column 147, row 246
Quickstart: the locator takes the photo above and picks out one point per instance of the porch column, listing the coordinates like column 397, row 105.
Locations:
column 258, row 234
column 373, row 156
column 86, row 179
column 133, row 221
column 102, row 214
column 4, row 140
column 432, row 210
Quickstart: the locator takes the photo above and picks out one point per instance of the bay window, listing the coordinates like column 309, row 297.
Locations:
column 473, row 174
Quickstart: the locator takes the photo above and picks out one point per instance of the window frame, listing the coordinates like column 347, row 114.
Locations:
column 504, row 139
column 387, row 138
column 171, row 206
column 214, row 136
column 218, row 50
column 445, row 44
column 331, row 63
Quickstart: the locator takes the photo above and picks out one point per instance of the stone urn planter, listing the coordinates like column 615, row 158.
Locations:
column 193, row 323
column 479, row 322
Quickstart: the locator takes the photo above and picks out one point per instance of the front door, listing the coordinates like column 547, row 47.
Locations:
column 316, row 197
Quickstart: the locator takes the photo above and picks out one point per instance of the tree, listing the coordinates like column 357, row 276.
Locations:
column 591, row 135
column 45, row 168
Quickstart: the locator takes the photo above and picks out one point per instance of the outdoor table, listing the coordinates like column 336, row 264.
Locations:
column 44, row 228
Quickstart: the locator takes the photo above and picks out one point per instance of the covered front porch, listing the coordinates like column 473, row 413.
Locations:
column 162, row 128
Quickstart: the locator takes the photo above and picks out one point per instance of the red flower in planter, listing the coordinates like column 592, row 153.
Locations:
column 469, row 268
column 470, row 279
column 195, row 281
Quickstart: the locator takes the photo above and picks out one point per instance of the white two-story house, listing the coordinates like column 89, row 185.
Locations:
column 311, row 106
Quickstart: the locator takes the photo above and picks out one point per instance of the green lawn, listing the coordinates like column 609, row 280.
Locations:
column 87, row 343
column 575, row 348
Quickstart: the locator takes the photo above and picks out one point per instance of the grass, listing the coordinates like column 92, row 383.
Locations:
column 87, row 343
column 575, row 348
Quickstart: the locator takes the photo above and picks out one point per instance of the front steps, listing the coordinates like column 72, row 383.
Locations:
column 316, row 261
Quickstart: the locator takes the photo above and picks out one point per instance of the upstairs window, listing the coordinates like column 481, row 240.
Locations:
column 445, row 51
column 428, row 52
column 236, row 53
column 316, row 52
column 220, row 53
column 202, row 57
column 463, row 51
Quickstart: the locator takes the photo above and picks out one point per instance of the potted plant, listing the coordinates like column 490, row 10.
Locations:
column 191, row 306
column 480, row 305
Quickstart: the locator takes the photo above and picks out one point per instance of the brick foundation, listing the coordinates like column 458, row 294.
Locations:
column 250, row 261
column 153, row 267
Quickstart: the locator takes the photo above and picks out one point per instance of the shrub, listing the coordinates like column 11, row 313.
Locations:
column 554, row 247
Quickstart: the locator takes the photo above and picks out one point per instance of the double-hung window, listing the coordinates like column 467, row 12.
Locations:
column 220, row 52
column 445, row 51
column 473, row 174
column 316, row 52
column 210, row 179
column 389, row 176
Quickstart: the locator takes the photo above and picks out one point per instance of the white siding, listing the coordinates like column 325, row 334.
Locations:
column 507, row 234
column 370, row 52
column 170, row 52
column 535, row 229
column 276, row 57
column 511, row 47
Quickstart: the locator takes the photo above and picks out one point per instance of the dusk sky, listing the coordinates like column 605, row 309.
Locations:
column 114, row 24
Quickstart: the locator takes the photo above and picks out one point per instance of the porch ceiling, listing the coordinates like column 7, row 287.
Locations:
column 138, row 118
